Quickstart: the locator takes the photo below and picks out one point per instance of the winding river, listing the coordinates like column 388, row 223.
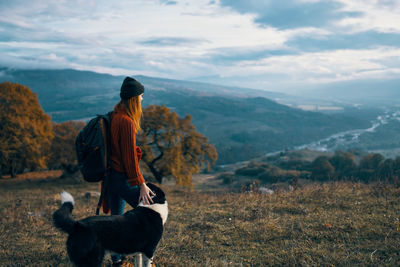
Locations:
column 348, row 138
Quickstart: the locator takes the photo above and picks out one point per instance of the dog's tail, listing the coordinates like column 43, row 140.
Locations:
column 62, row 217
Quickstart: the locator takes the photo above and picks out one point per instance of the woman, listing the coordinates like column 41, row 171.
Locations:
column 126, row 182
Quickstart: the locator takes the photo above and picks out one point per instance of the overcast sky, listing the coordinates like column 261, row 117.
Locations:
column 266, row 44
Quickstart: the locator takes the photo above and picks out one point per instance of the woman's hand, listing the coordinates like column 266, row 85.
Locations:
column 145, row 193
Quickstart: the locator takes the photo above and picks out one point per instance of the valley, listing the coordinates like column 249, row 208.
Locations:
column 242, row 123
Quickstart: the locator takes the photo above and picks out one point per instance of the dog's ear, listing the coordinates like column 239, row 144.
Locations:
column 160, row 196
column 152, row 186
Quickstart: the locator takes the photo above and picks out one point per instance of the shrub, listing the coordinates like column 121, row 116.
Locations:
column 322, row 169
column 267, row 177
column 226, row 177
column 294, row 164
column 250, row 171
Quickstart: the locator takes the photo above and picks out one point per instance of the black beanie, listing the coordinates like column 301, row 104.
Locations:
column 130, row 88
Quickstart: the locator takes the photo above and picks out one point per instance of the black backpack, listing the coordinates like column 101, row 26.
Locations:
column 93, row 152
column 93, row 148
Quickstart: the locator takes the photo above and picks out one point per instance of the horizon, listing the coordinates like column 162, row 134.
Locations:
column 2, row 68
column 282, row 47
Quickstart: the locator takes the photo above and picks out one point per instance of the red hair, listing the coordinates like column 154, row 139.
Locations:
column 133, row 108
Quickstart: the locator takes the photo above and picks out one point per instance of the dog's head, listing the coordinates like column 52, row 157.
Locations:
column 159, row 198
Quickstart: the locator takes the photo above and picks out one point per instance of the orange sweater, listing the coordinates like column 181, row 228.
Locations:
column 125, row 155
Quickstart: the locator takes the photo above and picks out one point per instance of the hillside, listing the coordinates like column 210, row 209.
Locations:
column 241, row 127
column 338, row 224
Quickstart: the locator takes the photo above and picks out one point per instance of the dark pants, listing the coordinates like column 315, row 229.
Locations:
column 120, row 191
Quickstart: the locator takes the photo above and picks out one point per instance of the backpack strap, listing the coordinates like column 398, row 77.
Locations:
column 104, row 189
column 105, row 125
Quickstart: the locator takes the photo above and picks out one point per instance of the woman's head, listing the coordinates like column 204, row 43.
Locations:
column 131, row 98
column 131, row 88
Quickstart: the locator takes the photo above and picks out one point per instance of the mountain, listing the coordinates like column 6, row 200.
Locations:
column 368, row 92
column 241, row 122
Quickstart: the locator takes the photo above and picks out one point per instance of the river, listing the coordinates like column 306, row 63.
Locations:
column 348, row 138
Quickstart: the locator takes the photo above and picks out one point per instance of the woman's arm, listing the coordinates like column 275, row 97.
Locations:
column 129, row 155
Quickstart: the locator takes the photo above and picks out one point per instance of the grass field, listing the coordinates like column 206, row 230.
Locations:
column 337, row 224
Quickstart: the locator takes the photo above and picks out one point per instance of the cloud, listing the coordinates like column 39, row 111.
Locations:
column 334, row 41
column 168, row 2
column 257, row 43
column 345, row 16
column 15, row 21
column 223, row 56
column 380, row 16
column 170, row 41
column 289, row 14
column 307, row 70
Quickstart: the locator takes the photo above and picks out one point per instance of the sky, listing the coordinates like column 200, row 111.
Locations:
column 266, row 44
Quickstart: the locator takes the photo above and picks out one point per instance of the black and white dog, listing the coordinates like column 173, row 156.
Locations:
column 137, row 231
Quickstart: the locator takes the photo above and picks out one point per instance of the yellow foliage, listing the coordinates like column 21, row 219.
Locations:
column 62, row 149
column 25, row 130
column 172, row 146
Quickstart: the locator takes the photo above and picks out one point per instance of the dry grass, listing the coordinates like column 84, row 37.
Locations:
column 340, row 224
column 35, row 175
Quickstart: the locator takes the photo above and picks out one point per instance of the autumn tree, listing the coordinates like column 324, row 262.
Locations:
column 25, row 130
column 62, row 150
column 172, row 146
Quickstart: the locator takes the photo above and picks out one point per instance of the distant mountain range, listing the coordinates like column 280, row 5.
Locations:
column 367, row 92
column 242, row 123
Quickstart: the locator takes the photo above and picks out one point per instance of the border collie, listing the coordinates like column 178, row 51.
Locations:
column 137, row 231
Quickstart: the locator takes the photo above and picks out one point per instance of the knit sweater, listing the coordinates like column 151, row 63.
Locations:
column 125, row 155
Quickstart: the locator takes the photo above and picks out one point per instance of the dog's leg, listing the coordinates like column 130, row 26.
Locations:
column 138, row 260
column 147, row 262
